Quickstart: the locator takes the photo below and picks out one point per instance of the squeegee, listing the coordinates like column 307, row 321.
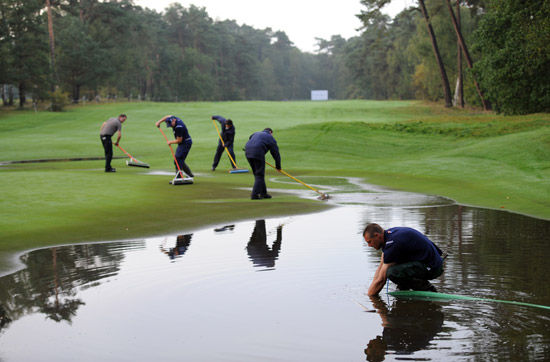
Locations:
column 133, row 161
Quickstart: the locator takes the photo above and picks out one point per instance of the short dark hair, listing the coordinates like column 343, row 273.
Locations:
column 268, row 130
column 373, row 228
column 229, row 122
column 122, row 115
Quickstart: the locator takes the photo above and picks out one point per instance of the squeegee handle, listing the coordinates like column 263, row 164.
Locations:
column 127, row 154
column 171, row 150
column 223, row 144
column 294, row 178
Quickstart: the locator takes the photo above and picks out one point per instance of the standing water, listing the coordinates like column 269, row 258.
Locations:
column 290, row 288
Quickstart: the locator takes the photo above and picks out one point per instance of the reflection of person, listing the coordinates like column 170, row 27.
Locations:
column 182, row 244
column 409, row 258
column 4, row 320
column 408, row 327
column 257, row 146
column 108, row 129
column 257, row 248
column 182, row 139
column 228, row 136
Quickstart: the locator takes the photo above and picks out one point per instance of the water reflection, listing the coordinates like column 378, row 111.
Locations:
column 182, row 244
column 73, row 292
column 258, row 251
column 409, row 326
column 4, row 319
column 48, row 285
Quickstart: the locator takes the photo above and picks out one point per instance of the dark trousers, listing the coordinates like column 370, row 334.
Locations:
column 108, row 147
column 412, row 275
column 218, row 155
column 258, row 169
column 181, row 154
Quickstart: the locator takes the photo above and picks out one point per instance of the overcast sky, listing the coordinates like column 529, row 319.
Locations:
column 301, row 20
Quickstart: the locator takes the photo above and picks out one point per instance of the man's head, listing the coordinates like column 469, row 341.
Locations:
column 122, row 118
column 170, row 121
column 268, row 130
column 228, row 123
column 374, row 236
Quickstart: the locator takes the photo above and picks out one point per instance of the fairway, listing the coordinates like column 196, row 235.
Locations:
column 473, row 157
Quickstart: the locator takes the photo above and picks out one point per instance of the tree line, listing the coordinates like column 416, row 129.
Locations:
column 484, row 53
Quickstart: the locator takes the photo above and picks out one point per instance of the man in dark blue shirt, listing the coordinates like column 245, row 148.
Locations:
column 409, row 258
column 182, row 139
column 228, row 136
column 257, row 146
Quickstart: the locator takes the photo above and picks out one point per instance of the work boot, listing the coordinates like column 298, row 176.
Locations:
column 265, row 196
column 423, row 285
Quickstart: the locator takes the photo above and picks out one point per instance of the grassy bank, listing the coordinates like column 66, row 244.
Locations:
column 475, row 158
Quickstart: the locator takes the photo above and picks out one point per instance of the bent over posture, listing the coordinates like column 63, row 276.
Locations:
column 228, row 136
column 182, row 139
column 257, row 146
column 108, row 129
column 409, row 258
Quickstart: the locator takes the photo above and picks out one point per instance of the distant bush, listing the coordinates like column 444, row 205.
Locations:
column 59, row 100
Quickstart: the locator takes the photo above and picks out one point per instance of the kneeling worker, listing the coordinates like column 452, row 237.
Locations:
column 409, row 258
column 257, row 146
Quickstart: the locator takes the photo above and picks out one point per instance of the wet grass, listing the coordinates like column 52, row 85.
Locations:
column 476, row 158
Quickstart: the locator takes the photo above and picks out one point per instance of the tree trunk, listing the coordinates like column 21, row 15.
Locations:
column 10, row 95
column 76, row 93
column 22, row 98
column 486, row 104
column 444, row 79
column 459, row 94
column 52, row 45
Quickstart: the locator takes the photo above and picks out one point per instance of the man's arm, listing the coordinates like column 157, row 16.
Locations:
column 119, row 135
column 379, row 278
column 159, row 122
column 220, row 119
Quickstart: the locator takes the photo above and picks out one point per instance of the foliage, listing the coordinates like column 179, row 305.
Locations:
column 59, row 100
column 514, row 40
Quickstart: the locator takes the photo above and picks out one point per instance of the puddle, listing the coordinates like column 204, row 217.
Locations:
column 287, row 288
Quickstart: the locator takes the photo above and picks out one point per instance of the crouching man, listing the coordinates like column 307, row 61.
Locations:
column 409, row 258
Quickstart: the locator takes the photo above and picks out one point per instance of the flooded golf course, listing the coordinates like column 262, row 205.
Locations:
column 286, row 289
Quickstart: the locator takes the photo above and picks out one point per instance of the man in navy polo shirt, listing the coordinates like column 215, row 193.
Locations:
column 182, row 139
column 409, row 258
column 257, row 146
column 228, row 136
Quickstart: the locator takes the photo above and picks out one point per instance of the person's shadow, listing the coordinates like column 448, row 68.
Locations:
column 409, row 326
column 182, row 244
column 258, row 250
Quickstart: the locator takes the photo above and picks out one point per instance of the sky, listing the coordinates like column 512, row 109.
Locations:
column 301, row 20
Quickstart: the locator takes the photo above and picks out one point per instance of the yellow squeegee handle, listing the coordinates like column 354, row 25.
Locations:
column 294, row 178
column 223, row 144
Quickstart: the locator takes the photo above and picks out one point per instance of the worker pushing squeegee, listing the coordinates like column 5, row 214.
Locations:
column 108, row 129
column 227, row 136
column 184, row 142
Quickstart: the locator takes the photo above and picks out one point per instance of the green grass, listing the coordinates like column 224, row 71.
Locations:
column 473, row 157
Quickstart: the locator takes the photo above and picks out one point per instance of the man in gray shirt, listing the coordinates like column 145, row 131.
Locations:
column 108, row 129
